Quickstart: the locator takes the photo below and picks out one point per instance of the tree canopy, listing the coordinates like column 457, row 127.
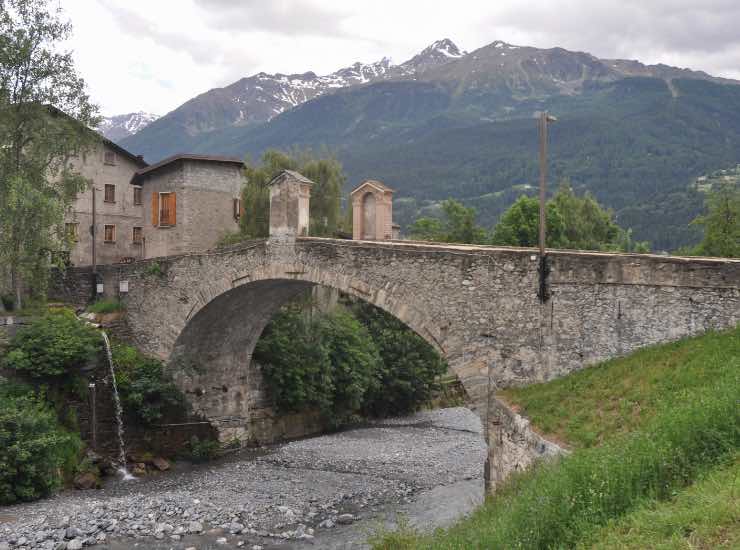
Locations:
column 577, row 222
column 45, row 114
column 457, row 225
column 721, row 223
column 574, row 222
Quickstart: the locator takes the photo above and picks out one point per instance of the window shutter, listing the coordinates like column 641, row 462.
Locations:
column 155, row 209
column 173, row 209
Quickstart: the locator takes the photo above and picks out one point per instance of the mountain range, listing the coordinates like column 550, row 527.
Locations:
column 447, row 123
column 117, row 127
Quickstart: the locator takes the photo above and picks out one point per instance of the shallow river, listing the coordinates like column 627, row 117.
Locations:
column 427, row 468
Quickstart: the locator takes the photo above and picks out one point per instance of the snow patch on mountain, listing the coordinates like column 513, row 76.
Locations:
column 117, row 127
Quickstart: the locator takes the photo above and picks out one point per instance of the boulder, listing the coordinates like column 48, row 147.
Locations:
column 195, row 527
column 74, row 544
column 161, row 464
column 139, row 469
column 345, row 519
column 86, row 480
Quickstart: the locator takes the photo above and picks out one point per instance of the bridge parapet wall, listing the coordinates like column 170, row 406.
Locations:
column 476, row 305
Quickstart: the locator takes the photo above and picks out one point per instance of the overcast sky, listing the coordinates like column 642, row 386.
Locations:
column 153, row 55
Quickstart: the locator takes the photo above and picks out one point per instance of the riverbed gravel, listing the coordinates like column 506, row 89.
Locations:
column 286, row 496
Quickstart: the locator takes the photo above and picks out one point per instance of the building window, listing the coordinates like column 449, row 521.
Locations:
column 73, row 231
column 167, row 209
column 110, row 193
column 137, row 196
column 138, row 235
column 238, row 209
column 110, row 233
column 109, row 158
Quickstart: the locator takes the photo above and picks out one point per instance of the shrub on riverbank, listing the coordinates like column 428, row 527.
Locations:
column 52, row 346
column 147, row 393
column 352, row 360
column 321, row 361
column 408, row 369
column 687, row 427
column 35, row 452
column 107, row 305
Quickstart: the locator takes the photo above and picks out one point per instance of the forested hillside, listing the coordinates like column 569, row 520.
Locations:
column 635, row 142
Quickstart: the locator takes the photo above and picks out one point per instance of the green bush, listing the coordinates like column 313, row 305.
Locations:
column 8, row 301
column 147, row 392
column 355, row 359
column 35, row 452
column 108, row 305
column 409, row 366
column 52, row 346
column 202, row 450
column 326, row 362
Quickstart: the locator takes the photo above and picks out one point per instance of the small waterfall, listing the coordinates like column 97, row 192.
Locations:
column 119, row 411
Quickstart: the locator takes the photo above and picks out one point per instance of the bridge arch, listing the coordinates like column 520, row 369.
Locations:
column 211, row 359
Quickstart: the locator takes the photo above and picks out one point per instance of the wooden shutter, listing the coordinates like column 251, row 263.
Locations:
column 155, row 209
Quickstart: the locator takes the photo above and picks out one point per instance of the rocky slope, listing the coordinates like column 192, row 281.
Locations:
column 261, row 97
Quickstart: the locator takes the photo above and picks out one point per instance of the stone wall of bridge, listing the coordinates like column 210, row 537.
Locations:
column 478, row 306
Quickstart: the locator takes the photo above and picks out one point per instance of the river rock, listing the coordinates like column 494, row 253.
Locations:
column 326, row 524
column 221, row 540
column 72, row 533
column 85, row 481
column 161, row 464
column 74, row 544
column 345, row 519
column 139, row 469
column 236, row 528
column 195, row 527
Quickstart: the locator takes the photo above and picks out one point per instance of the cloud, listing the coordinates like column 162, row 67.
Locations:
column 651, row 31
column 201, row 48
column 167, row 51
column 290, row 17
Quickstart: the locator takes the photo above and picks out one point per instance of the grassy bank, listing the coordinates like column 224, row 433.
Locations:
column 643, row 428
column 704, row 515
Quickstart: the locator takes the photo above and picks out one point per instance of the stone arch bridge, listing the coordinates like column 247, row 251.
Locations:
column 478, row 306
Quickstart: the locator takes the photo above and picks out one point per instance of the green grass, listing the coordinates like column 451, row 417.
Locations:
column 107, row 305
column 621, row 395
column 704, row 515
column 682, row 420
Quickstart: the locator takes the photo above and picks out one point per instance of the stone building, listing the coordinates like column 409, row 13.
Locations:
column 372, row 212
column 192, row 201
column 184, row 203
column 117, row 203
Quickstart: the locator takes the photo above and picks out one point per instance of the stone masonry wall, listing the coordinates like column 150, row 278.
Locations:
column 477, row 305
column 205, row 209
column 515, row 446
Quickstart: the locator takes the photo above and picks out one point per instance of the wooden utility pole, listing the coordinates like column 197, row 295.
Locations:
column 545, row 119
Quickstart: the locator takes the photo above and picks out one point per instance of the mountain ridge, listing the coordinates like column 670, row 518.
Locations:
column 463, row 126
column 118, row 127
